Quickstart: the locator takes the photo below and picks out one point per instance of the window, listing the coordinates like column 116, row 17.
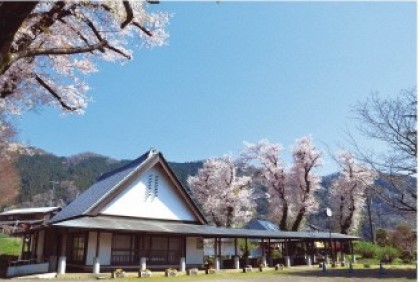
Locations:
column 161, row 250
column 77, row 247
column 124, row 249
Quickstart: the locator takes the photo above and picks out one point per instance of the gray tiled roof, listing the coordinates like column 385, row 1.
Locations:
column 98, row 191
column 262, row 225
column 164, row 227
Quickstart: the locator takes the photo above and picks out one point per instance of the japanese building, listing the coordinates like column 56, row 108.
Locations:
column 141, row 216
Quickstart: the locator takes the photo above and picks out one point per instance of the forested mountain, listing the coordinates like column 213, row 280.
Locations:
column 47, row 179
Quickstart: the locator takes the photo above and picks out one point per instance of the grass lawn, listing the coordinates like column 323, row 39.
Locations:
column 294, row 274
column 10, row 245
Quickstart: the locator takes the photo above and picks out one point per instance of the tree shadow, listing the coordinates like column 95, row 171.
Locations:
column 356, row 273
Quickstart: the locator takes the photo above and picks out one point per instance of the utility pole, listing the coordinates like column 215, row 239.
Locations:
column 369, row 204
column 53, row 192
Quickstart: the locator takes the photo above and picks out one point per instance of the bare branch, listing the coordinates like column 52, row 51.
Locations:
column 143, row 29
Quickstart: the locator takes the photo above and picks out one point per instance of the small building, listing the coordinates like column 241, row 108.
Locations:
column 141, row 216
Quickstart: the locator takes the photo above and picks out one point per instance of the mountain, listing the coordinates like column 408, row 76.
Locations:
column 46, row 180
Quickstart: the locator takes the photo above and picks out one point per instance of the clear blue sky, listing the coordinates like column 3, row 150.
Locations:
column 240, row 71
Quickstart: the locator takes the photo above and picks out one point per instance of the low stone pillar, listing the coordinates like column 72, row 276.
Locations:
column 143, row 265
column 236, row 262
column 96, row 265
column 308, row 260
column 264, row 261
column 61, row 269
column 182, row 265
column 217, row 263
column 287, row 262
column 327, row 259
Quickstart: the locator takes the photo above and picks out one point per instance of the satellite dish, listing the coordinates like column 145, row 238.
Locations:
column 328, row 212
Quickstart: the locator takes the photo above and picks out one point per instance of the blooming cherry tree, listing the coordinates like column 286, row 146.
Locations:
column 224, row 196
column 290, row 190
column 348, row 191
column 46, row 48
column 303, row 180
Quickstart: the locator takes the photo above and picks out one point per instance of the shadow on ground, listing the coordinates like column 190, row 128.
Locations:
column 357, row 273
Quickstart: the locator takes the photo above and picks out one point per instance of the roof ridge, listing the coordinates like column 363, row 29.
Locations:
column 131, row 164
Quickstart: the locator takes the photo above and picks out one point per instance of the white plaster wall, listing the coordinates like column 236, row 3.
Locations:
column 194, row 255
column 136, row 202
column 40, row 246
column 91, row 248
column 105, row 248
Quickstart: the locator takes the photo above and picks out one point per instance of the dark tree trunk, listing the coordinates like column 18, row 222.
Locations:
column 283, row 221
column 12, row 15
column 299, row 219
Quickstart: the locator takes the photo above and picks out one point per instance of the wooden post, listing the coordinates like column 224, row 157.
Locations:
column 353, row 259
column 220, row 253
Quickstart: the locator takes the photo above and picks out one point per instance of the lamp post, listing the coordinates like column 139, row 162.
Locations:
column 328, row 212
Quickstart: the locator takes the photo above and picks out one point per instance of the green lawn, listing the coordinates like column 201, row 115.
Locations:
column 10, row 245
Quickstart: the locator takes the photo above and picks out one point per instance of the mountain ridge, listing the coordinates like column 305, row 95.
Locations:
column 47, row 179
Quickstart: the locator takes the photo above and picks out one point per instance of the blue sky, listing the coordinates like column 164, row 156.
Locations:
column 235, row 72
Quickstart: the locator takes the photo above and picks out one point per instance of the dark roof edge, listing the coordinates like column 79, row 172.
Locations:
column 185, row 191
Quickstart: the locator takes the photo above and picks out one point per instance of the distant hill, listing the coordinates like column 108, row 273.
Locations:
column 47, row 179
column 42, row 172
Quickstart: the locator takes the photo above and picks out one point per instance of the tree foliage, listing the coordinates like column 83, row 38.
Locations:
column 348, row 191
column 46, row 48
column 225, row 197
column 392, row 122
column 291, row 191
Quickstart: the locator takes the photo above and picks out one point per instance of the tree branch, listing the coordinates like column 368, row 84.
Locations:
column 129, row 12
column 54, row 94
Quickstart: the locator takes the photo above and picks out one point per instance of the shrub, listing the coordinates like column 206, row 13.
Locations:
column 366, row 249
column 388, row 253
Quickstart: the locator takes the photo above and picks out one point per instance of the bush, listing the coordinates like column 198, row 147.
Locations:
column 388, row 254
column 406, row 256
column 366, row 249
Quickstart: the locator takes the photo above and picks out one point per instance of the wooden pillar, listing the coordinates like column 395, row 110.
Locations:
column 353, row 259
column 246, row 251
column 270, row 260
column 36, row 239
column 98, row 240
column 263, row 256
column 220, row 253
column 287, row 261
column 215, row 248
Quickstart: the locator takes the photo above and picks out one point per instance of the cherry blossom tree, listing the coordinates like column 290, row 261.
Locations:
column 46, row 48
column 265, row 156
column 303, row 180
column 224, row 196
column 291, row 191
column 348, row 192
